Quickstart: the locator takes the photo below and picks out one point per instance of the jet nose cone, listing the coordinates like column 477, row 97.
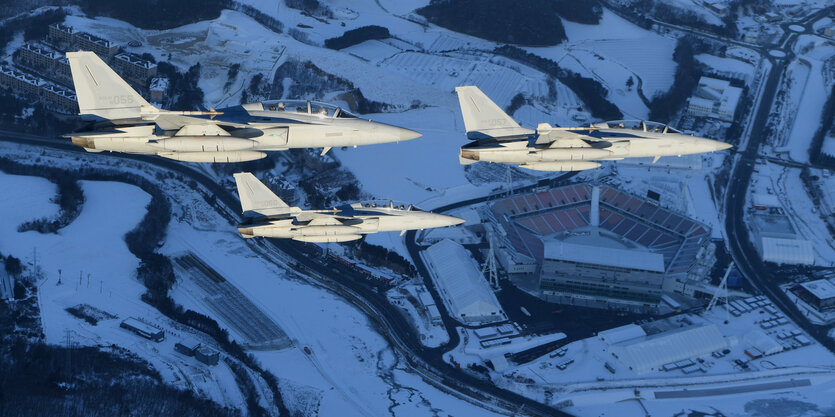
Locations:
column 406, row 134
column 452, row 221
column 721, row 146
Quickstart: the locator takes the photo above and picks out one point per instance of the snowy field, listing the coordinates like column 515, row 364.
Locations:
column 351, row 369
column 97, row 270
column 594, row 391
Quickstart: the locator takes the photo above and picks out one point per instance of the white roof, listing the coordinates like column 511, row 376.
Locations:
column 651, row 352
column 788, row 251
column 766, row 200
column 713, row 82
column 823, row 289
column 622, row 333
column 763, row 342
column 622, row 258
column 460, row 282
column 459, row 279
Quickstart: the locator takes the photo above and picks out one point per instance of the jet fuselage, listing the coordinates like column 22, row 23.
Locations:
column 569, row 149
column 243, row 133
column 345, row 223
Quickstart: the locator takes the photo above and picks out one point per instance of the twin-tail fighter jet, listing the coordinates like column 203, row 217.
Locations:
column 269, row 216
column 498, row 138
column 129, row 124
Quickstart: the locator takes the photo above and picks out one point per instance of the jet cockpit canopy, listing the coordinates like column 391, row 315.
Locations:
column 643, row 125
column 308, row 107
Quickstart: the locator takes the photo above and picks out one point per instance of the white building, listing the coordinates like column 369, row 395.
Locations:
column 714, row 98
column 644, row 354
column 465, row 291
column 573, row 271
column 787, row 251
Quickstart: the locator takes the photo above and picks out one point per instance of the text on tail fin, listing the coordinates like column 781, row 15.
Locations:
column 483, row 118
column 256, row 197
column 100, row 91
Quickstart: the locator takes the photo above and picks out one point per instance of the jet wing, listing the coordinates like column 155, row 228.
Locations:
column 206, row 129
column 178, row 121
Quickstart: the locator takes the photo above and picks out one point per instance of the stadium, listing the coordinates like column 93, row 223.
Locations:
column 597, row 246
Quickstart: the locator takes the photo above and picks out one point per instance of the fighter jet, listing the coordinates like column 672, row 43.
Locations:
column 269, row 216
column 498, row 138
column 126, row 122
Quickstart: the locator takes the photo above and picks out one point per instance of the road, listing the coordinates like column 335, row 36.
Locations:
column 742, row 250
column 354, row 287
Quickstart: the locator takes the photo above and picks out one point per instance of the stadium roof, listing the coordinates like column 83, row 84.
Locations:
column 621, row 258
column 461, row 284
column 647, row 353
column 788, row 251
column 822, row 289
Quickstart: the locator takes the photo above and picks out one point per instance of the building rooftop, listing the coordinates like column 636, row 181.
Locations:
column 621, row 258
column 95, row 39
column 461, row 283
column 159, row 84
column 773, row 223
column 134, row 60
column 788, row 251
column 822, row 288
column 651, row 352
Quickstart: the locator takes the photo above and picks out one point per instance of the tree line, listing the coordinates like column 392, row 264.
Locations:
column 357, row 36
column 589, row 90
column 156, row 272
column 155, row 14
column 664, row 106
column 524, row 22
column 70, row 197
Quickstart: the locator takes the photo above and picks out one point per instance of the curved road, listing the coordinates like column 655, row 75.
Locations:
column 356, row 288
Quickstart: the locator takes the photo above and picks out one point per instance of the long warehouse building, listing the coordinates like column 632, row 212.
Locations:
column 465, row 291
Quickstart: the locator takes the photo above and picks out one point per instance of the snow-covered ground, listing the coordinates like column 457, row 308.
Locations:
column 97, row 270
column 351, row 370
column 806, row 78
column 587, row 388
column 786, row 184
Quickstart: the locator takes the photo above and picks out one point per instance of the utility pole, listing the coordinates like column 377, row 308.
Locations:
column 59, row 277
column 489, row 268
column 721, row 292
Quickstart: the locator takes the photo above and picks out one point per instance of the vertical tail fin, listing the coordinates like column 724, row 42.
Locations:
column 101, row 93
column 257, row 198
column 483, row 118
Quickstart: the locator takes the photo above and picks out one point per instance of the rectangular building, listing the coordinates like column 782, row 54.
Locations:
column 820, row 294
column 714, row 98
column 102, row 47
column 572, row 272
column 134, row 68
column 20, row 83
column 59, row 98
column 143, row 329
column 61, row 35
column 37, row 57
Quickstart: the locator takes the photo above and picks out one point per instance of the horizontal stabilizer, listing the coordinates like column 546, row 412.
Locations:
column 257, row 198
column 483, row 118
